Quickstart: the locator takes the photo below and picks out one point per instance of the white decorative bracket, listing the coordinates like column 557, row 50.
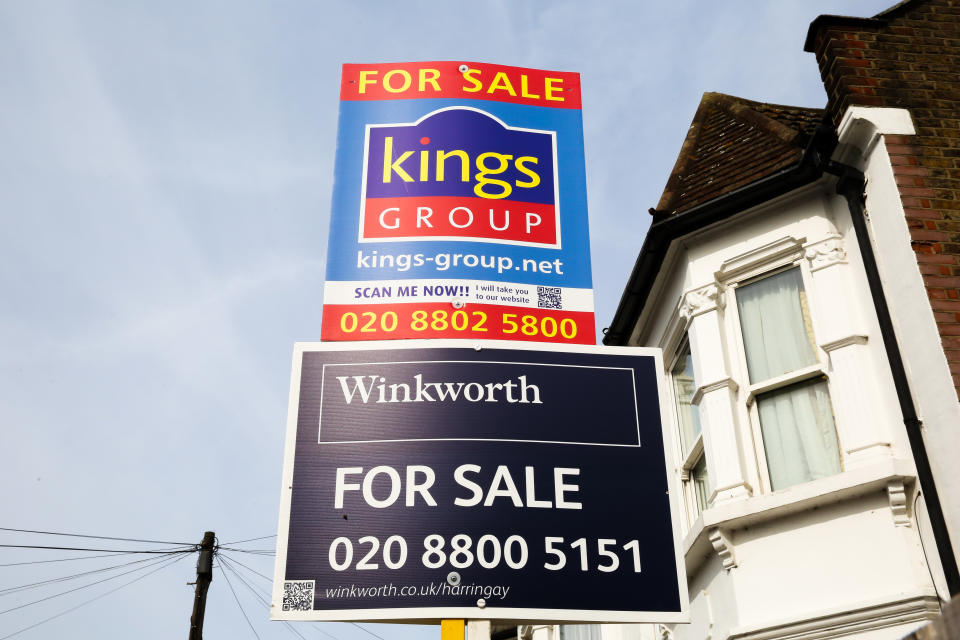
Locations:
column 846, row 341
column 666, row 633
column 723, row 546
column 897, row 494
column 826, row 253
column 702, row 300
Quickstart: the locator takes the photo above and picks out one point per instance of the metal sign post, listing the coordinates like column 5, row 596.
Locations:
column 452, row 630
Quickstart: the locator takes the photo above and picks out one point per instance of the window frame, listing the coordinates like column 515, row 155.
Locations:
column 750, row 392
column 697, row 452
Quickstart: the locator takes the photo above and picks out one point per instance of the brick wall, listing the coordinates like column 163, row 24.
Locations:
column 909, row 57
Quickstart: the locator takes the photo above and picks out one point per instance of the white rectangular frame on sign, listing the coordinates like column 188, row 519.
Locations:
column 432, row 615
column 320, row 440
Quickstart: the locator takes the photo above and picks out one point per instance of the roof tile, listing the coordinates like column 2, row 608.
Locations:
column 733, row 142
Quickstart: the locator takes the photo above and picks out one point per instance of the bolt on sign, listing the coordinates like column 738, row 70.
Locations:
column 459, row 206
column 432, row 480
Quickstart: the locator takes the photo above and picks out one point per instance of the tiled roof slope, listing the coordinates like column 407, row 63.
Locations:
column 733, row 142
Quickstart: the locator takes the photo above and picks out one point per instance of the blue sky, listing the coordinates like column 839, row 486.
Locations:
column 165, row 180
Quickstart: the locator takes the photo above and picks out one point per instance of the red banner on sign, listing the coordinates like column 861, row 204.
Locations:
column 443, row 320
column 458, row 217
column 474, row 80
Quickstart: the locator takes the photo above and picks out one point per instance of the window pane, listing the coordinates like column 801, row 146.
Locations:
column 683, row 388
column 777, row 335
column 798, row 434
column 579, row 632
column 698, row 475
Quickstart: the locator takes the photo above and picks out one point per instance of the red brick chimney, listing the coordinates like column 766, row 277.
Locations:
column 909, row 57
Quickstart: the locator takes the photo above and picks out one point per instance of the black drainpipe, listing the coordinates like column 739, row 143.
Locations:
column 851, row 186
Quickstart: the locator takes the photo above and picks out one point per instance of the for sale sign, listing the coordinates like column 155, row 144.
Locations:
column 452, row 481
column 459, row 206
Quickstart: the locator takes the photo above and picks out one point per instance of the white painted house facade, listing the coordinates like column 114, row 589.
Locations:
column 808, row 522
column 813, row 404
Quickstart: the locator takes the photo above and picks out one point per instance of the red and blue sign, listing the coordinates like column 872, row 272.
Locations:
column 459, row 206
column 438, row 178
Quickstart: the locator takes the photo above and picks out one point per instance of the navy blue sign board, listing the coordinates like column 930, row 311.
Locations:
column 454, row 479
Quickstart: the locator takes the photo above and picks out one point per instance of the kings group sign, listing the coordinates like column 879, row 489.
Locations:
column 459, row 479
column 459, row 206
column 438, row 179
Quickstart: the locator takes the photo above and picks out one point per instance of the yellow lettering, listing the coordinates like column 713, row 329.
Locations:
column 464, row 163
column 549, row 89
column 483, row 171
column 468, row 76
column 523, row 88
column 534, row 176
column 394, row 72
column 390, row 165
column 501, row 82
column 424, row 165
column 364, row 82
column 428, row 76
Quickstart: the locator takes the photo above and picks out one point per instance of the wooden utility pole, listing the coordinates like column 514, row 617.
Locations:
column 204, row 576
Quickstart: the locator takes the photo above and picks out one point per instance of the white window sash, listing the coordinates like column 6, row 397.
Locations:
column 779, row 468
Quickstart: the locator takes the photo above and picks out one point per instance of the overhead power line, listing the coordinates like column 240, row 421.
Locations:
column 33, row 546
column 368, row 631
column 227, row 563
column 79, row 535
column 251, row 539
column 232, row 559
column 72, row 558
column 240, row 606
column 34, row 585
column 89, row 584
column 164, row 564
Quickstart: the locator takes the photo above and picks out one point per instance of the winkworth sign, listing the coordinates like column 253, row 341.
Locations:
column 430, row 480
column 459, row 206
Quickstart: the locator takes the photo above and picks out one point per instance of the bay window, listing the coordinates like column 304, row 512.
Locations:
column 786, row 380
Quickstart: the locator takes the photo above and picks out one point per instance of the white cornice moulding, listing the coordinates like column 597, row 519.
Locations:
column 760, row 259
column 704, row 389
column 737, row 514
column 861, row 128
column 888, row 612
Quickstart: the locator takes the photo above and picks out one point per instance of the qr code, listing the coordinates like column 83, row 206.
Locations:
column 549, row 298
column 298, row 595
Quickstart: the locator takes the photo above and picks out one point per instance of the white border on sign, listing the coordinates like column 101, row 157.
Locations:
column 633, row 389
column 422, row 615
column 520, row 243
